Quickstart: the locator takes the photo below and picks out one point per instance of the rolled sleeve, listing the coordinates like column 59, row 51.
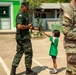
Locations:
column 19, row 19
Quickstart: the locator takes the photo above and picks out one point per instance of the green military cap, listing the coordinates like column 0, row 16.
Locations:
column 25, row 4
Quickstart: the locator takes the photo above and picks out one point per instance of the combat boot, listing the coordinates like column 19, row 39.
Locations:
column 30, row 72
column 13, row 70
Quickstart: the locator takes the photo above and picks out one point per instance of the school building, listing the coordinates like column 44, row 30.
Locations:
column 50, row 13
column 8, row 11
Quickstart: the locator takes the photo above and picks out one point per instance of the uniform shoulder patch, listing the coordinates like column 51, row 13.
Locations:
column 20, row 15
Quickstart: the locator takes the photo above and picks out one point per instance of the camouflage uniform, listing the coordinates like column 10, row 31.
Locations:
column 23, row 41
column 69, row 31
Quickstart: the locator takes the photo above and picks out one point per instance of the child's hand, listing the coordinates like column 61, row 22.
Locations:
column 42, row 31
column 29, row 25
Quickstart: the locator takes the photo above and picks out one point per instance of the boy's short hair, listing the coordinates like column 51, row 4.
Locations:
column 56, row 33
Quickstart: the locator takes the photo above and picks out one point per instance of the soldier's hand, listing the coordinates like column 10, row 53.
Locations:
column 29, row 25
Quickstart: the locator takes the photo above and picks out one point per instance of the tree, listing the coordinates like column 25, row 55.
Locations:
column 35, row 3
column 54, row 1
column 32, row 5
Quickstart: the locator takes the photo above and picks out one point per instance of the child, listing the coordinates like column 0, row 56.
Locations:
column 53, row 48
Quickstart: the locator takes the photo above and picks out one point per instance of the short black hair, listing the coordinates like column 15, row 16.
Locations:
column 25, row 4
column 56, row 33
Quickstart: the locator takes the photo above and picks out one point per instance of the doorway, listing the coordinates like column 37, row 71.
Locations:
column 5, row 17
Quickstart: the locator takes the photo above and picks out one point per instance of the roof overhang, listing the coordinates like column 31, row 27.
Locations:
column 51, row 6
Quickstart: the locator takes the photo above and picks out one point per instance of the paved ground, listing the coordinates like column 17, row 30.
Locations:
column 42, row 62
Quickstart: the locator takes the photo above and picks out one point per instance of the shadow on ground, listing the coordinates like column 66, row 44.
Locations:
column 37, row 69
column 59, row 70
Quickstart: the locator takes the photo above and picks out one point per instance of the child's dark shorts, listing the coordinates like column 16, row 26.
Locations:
column 53, row 57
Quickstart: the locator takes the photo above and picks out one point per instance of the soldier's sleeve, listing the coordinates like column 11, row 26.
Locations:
column 19, row 18
column 68, row 28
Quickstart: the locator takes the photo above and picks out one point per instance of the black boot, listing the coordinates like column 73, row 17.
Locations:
column 13, row 70
column 30, row 72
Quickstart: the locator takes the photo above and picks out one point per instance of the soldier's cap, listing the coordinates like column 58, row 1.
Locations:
column 26, row 4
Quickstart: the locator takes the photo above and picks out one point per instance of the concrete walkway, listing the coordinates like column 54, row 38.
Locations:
column 13, row 31
column 42, row 62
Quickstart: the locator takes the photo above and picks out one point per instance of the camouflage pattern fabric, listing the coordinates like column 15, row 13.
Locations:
column 69, row 31
column 25, row 48
column 71, row 70
column 23, row 41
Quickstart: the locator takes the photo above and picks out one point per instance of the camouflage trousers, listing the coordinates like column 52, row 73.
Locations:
column 23, row 47
column 71, row 64
column 70, row 48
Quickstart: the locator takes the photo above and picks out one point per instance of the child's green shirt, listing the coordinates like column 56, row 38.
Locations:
column 53, row 47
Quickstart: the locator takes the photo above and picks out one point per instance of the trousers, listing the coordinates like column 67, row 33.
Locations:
column 71, row 64
column 70, row 48
column 24, row 47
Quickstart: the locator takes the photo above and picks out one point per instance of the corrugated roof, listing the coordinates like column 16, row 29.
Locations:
column 51, row 5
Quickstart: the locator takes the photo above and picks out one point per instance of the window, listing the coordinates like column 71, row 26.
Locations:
column 59, row 13
column 4, row 11
column 52, row 13
column 41, row 15
column 37, row 15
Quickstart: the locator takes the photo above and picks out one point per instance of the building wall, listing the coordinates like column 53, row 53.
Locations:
column 14, row 8
column 52, row 17
column 15, row 11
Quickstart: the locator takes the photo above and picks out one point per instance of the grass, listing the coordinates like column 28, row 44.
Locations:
column 57, row 27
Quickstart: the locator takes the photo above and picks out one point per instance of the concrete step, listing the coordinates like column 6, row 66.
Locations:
column 8, row 31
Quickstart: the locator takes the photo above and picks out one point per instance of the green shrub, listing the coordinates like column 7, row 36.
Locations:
column 57, row 27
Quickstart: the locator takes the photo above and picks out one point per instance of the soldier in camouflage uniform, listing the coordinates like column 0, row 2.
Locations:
column 23, row 40
column 69, row 31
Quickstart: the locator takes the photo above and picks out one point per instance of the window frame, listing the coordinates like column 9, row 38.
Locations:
column 4, row 11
